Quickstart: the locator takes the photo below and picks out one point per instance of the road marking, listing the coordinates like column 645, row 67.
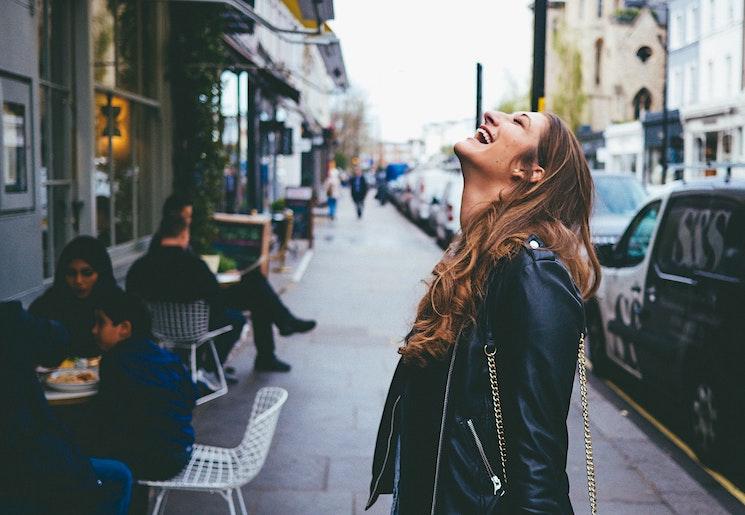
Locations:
column 719, row 478
column 303, row 266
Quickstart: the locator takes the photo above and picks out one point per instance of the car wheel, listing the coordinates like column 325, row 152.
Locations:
column 598, row 355
column 706, row 418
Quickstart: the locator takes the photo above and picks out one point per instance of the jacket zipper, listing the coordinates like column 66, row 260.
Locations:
column 492, row 476
column 387, row 451
column 442, row 424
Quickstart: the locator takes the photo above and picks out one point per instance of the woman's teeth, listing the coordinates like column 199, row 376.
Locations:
column 485, row 135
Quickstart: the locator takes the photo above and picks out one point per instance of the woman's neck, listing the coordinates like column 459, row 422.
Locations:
column 478, row 192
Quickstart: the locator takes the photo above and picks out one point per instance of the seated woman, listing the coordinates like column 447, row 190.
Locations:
column 83, row 276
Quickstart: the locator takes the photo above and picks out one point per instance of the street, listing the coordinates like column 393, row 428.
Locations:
column 362, row 286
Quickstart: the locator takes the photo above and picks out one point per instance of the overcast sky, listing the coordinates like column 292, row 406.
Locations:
column 415, row 60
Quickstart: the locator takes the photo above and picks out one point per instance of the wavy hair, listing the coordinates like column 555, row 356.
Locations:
column 557, row 209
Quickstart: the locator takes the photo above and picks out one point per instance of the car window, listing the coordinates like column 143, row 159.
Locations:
column 639, row 234
column 702, row 234
column 617, row 195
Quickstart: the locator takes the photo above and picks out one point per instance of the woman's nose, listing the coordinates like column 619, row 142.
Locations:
column 493, row 117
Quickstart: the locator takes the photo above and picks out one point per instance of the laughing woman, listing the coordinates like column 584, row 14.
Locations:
column 83, row 275
column 475, row 420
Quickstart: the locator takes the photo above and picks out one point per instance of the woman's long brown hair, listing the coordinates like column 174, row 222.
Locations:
column 557, row 209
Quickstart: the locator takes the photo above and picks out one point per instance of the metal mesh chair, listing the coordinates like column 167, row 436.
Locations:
column 225, row 470
column 186, row 326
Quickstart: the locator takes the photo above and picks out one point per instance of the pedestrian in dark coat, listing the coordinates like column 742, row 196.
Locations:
column 475, row 420
column 41, row 468
column 83, row 276
column 358, row 187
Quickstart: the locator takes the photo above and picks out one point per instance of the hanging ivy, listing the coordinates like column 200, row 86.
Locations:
column 196, row 58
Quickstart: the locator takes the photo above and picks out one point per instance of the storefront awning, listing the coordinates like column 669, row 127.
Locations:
column 311, row 13
column 269, row 80
column 334, row 62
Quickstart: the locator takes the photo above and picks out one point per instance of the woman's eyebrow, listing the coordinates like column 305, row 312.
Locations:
column 530, row 122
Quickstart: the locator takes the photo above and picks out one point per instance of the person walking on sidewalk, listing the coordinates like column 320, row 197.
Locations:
column 358, row 186
column 332, row 185
column 475, row 419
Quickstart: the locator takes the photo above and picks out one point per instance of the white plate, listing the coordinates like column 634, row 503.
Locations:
column 72, row 387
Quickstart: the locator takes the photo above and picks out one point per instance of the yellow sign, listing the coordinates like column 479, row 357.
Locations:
column 541, row 104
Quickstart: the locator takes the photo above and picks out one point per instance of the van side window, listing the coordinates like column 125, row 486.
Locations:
column 638, row 236
column 702, row 234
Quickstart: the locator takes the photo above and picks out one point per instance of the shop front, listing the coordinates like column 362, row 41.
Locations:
column 83, row 95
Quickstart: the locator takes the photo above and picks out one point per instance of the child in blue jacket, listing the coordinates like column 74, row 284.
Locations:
column 146, row 397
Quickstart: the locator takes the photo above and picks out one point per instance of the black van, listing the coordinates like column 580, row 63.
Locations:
column 670, row 310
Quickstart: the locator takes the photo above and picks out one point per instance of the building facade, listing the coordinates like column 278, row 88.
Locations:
column 85, row 131
column 707, row 84
column 621, row 45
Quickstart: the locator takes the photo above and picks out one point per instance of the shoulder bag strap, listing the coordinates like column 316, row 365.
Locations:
column 589, row 462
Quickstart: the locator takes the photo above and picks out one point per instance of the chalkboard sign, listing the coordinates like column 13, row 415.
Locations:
column 300, row 200
column 243, row 238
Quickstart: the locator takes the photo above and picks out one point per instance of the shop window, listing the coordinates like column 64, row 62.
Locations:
column 126, row 132
column 122, row 34
column 57, row 137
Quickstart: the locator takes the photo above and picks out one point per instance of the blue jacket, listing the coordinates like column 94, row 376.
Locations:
column 38, row 461
column 144, row 408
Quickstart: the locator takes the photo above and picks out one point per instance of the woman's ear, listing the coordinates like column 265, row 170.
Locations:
column 536, row 174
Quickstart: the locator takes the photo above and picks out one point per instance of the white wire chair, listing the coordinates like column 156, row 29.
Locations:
column 185, row 325
column 225, row 470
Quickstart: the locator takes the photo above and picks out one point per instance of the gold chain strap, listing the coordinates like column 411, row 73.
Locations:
column 497, row 409
column 589, row 462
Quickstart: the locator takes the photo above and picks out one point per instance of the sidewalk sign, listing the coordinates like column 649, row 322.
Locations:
column 244, row 238
column 301, row 200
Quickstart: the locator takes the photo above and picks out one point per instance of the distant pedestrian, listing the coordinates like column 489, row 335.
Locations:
column 478, row 404
column 358, row 186
column 332, row 186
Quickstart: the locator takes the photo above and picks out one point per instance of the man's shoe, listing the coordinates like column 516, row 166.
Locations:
column 231, row 379
column 296, row 325
column 271, row 365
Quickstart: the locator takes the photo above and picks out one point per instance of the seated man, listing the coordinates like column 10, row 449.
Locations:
column 145, row 395
column 160, row 276
column 41, row 470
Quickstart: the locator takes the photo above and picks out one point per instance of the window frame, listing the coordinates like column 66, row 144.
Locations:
column 18, row 91
column 620, row 251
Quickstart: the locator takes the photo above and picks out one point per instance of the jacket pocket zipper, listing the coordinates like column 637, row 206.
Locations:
column 492, row 476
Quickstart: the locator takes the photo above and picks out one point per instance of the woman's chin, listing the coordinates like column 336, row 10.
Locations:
column 465, row 149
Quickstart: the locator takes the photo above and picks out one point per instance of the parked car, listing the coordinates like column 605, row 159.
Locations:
column 669, row 311
column 618, row 197
column 428, row 184
column 444, row 217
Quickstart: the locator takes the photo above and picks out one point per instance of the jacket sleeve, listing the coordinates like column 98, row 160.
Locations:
column 543, row 318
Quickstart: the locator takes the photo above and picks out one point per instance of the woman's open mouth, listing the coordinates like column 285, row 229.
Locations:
column 484, row 136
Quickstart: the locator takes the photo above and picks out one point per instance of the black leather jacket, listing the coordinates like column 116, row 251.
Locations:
column 443, row 415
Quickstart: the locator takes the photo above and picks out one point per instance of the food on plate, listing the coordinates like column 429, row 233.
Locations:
column 73, row 377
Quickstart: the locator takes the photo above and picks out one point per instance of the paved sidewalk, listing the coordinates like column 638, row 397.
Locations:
column 362, row 286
